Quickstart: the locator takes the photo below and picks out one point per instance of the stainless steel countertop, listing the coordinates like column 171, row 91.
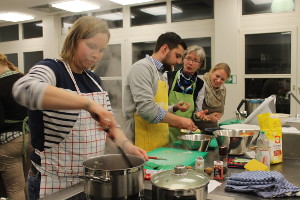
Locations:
column 290, row 168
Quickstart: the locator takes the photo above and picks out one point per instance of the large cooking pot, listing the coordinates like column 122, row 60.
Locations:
column 250, row 106
column 179, row 183
column 108, row 177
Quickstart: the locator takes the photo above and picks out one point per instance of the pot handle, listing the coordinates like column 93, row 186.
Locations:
column 100, row 179
column 239, row 107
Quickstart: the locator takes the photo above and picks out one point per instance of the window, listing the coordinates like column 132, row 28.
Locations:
column 9, row 33
column 192, row 10
column 265, row 87
column 268, row 53
column 31, row 58
column 32, row 30
column 267, row 6
column 67, row 22
column 13, row 58
column 113, row 18
column 110, row 65
column 109, row 69
column 149, row 14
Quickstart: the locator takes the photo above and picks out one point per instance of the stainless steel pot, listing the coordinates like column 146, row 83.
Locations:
column 250, row 106
column 179, row 183
column 108, row 177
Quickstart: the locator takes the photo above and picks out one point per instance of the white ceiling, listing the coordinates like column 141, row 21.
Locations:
column 23, row 6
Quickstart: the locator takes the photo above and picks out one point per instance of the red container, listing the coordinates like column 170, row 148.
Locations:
column 218, row 170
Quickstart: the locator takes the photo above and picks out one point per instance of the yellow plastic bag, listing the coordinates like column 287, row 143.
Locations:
column 270, row 124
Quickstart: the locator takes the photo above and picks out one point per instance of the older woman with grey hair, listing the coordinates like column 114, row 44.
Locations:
column 185, row 86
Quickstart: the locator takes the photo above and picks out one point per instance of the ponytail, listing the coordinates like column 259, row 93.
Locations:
column 5, row 62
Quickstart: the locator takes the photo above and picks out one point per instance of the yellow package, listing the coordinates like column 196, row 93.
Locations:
column 255, row 165
column 270, row 124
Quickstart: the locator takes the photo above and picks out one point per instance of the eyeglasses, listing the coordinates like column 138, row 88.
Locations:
column 189, row 59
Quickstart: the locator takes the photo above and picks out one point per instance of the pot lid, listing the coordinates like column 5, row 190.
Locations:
column 180, row 178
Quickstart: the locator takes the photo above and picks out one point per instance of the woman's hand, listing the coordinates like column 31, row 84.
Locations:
column 118, row 136
column 134, row 150
column 104, row 117
column 214, row 117
column 203, row 115
column 182, row 106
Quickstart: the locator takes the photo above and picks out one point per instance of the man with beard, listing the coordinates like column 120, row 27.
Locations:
column 145, row 102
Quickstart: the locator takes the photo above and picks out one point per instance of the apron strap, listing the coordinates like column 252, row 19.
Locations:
column 67, row 66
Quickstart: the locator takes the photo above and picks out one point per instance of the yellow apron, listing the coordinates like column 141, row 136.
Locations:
column 151, row 136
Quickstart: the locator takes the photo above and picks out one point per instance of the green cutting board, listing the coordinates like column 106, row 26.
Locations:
column 174, row 157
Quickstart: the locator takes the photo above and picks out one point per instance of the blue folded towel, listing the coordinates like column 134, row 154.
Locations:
column 267, row 184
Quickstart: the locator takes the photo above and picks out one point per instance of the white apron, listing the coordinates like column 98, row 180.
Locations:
column 85, row 140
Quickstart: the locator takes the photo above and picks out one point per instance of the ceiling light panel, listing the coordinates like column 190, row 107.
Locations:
column 111, row 16
column 15, row 17
column 160, row 10
column 128, row 2
column 76, row 6
column 258, row 2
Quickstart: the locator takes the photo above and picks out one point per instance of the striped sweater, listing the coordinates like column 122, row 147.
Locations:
column 49, row 127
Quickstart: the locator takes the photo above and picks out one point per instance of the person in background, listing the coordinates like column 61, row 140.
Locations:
column 14, row 140
column 69, row 112
column 186, row 86
column 146, row 95
column 214, row 97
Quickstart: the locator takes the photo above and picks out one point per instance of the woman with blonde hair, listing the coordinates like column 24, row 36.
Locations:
column 214, row 97
column 14, row 139
column 70, row 114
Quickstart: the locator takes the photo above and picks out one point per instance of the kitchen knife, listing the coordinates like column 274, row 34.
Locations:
column 151, row 157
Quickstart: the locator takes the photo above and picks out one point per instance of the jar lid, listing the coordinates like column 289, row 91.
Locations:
column 180, row 178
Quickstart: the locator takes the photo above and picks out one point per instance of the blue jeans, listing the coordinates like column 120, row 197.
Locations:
column 34, row 182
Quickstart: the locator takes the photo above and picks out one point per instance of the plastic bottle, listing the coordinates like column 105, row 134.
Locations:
column 262, row 151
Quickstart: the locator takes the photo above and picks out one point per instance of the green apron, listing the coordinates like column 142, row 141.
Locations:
column 175, row 98
column 25, row 130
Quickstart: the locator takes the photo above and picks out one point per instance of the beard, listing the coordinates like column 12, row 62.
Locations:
column 167, row 66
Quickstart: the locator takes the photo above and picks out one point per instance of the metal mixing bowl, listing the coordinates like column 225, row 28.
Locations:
column 195, row 142
column 236, row 140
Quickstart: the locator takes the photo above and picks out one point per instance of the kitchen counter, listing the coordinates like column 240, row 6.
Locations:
column 289, row 168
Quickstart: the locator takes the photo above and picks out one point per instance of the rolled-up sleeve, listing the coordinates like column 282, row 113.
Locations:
column 143, row 85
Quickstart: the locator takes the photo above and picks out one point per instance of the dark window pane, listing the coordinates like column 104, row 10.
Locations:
column 32, row 30
column 110, row 64
column 140, row 49
column 13, row 58
column 114, row 90
column 270, row 6
column 31, row 58
column 192, row 10
column 9, row 33
column 264, row 87
column 268, row 53
column 149, row 14
column 66, row 22
column 113, row 18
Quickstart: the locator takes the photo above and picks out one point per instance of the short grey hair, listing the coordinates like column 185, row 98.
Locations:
column 199, row 52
